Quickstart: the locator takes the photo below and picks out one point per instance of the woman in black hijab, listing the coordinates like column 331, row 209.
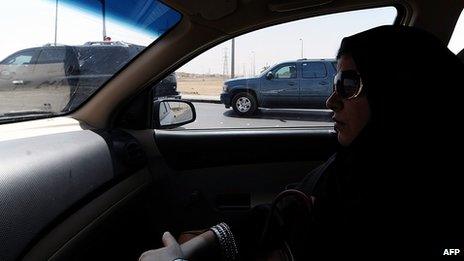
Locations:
column 395, row 185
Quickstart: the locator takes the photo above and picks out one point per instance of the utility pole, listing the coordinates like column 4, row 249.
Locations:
column 232, row 59
column 56, row 21
column 103, row 2
column 253, row 65
column 301, row 48
column 225, row 65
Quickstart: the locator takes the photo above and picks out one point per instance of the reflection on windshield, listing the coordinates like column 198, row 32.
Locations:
column 150, row 16
column 58, row 53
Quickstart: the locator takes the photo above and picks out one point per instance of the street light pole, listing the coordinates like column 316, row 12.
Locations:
column 56, row 20
column 104, row 19
column 253, row 64
column 301, row 48
column 232, row 63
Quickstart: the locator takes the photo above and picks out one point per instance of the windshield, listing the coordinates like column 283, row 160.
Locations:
column 56, row 53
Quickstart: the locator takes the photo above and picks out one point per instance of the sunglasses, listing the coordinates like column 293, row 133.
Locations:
column 347, row 84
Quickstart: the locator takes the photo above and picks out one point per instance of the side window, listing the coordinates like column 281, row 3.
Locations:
column 236, row 83
column 51, row 56
column 313, row 70
column 21, row 58
column 286, row 72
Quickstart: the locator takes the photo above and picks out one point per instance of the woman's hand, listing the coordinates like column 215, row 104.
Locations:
column 171, row 251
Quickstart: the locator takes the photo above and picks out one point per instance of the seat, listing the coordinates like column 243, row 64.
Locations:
column 292, row 72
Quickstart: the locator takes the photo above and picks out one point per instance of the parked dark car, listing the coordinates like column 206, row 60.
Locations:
column 92, row 55
column 167, row 87
column 294, row 84
column 83, row 68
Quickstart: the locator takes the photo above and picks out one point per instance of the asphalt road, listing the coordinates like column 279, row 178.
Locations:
column 212, row 115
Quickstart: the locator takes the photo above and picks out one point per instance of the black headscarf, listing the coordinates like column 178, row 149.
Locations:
column 396, row 184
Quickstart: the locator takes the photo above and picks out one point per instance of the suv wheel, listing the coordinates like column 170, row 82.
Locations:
column 244, row 104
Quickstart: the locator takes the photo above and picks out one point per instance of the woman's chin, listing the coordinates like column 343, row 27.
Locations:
column 342, row 139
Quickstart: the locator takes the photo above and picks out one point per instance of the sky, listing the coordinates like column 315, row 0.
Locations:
column 319, row 37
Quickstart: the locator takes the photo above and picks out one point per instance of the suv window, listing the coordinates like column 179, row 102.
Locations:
column 51, row 56
column 313, row 70
column 278, row 76
column 286, row 72
column 92, row 58
column 20, row 58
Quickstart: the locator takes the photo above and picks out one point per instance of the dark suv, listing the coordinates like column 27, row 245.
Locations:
column 84, row 68
column 302, row 84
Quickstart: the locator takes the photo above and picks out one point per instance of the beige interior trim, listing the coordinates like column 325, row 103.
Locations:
column 28, row 129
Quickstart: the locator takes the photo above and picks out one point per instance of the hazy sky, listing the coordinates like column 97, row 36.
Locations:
column 30, row 23
column 321, row 37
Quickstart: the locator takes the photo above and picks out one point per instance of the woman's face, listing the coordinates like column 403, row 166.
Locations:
column 350, row 115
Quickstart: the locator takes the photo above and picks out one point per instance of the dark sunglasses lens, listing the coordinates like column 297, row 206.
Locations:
column 350, row 88
column 347, row 84
column 337, row 84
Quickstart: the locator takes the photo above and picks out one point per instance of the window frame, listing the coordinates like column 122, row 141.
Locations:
column 32, row 61
column 44, row 50
column 400, row 16
column 454, row 34
column 282, row 65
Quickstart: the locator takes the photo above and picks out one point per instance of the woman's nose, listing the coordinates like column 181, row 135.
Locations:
column 334, row 102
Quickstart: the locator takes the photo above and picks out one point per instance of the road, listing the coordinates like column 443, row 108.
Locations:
column 212, row 115
column 209, row 115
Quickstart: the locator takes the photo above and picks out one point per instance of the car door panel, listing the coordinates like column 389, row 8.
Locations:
column 280, row 92
column 220, row 175
column 200, row 198
column 315, row 86
column 185, row 149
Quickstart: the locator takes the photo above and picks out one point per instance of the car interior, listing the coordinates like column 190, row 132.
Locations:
column 105, row 181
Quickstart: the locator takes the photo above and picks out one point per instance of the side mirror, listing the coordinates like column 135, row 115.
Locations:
column 168, row 114
column 270, row 75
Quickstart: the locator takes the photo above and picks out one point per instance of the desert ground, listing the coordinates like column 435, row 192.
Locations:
column 207, row 85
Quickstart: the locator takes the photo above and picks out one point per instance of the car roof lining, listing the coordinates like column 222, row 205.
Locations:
column 172, row 51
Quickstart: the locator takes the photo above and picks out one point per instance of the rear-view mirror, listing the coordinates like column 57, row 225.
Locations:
column 270, row 76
